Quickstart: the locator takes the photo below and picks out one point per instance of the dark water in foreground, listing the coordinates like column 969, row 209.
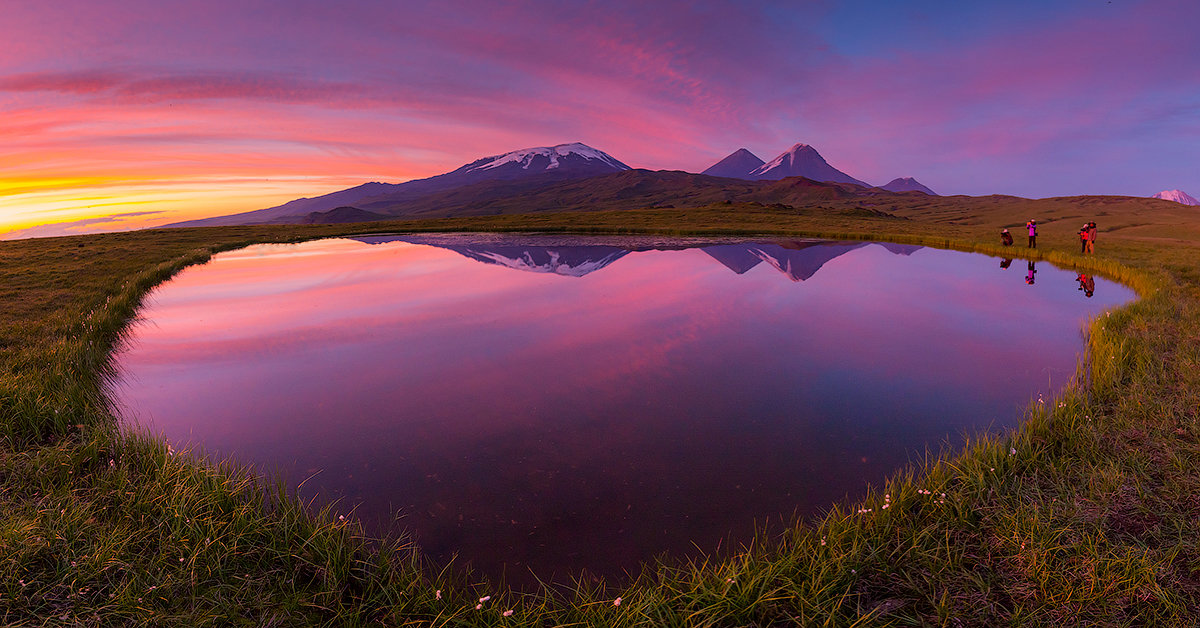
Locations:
column 612, row 405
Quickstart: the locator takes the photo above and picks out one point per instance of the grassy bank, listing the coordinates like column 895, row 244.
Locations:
column 1087, row 514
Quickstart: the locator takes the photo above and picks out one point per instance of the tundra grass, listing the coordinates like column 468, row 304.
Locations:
column 1086, row 514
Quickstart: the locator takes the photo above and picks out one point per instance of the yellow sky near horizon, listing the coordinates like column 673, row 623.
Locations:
column 33, row 207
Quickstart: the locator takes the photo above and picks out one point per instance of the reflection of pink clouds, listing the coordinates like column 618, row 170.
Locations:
column 347, row 304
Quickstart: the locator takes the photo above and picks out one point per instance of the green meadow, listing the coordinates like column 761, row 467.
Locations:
column 1087, row 514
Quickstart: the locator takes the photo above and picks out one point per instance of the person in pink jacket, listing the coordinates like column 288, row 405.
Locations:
column 1032, row 224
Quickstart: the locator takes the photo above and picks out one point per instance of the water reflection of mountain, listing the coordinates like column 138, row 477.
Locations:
column 569, row 260
column 797, row 259
column 572, row 261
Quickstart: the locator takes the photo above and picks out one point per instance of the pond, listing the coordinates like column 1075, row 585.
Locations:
column 563, row 405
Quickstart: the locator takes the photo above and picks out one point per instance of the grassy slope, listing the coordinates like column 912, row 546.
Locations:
column 1086, row 514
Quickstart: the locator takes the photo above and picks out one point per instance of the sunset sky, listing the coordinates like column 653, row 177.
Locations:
column 125, row 114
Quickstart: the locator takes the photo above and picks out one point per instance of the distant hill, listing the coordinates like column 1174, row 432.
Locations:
column 802, row 160
column 1178, row 196
column 340, row 215
column 561, row 162
column 738, row 165
column 906, row 184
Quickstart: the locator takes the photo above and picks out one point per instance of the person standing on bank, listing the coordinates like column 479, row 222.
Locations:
column 1006, row 238
column 1091, row 237
column 1083, row 239
column 1032, row 224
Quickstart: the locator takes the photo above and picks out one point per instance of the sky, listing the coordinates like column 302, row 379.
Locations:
column 127, row 113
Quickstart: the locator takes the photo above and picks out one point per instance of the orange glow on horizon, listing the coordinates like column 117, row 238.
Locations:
column 106, row 203
column 75, row 166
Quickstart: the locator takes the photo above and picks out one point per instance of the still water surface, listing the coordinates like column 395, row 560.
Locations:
column 557, row 405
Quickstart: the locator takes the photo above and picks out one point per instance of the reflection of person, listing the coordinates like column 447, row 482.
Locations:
column 1032, row 270
column 1006, row 238
column 1091, row 237
column 1088, row 284
column 1032, row 225
column 1005, row 263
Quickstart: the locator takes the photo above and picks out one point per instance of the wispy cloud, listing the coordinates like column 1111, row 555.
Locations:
column 156, row 86
column 112, row 222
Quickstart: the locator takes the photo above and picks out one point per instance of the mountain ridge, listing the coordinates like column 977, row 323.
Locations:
column 572, row 160
column 572, row 176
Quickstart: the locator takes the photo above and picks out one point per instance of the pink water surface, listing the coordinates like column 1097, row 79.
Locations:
column 531, row 421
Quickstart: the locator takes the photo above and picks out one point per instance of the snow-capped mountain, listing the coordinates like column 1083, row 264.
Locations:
column 738, row 165
column 562, row 162
column 574, row 155
column 906, row 184
column 801, row 160
column 1178, row 196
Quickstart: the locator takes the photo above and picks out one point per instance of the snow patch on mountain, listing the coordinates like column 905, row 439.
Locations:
column 787, row 157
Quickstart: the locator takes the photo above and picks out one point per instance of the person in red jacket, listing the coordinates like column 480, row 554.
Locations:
column 1032, row 225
